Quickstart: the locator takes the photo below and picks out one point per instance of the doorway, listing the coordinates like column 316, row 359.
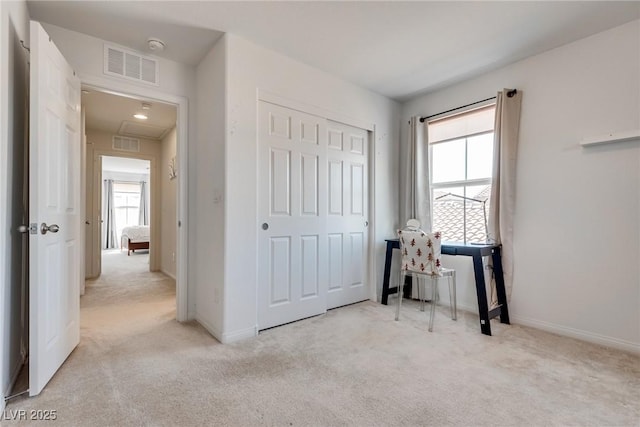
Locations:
column 131, row 207
column 125, row 210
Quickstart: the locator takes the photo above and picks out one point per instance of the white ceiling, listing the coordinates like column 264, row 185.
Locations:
column 111, row 20
column 124, row 164
column 398, row 49
column 106, row 112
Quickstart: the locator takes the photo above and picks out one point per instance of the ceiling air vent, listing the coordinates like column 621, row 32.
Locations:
column 122, row 143
column 130, row 65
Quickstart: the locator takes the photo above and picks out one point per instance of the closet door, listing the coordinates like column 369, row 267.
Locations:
column 292, row 252
column 347, row 203
column 312, row 244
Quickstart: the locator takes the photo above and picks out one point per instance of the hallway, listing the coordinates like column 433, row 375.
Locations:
column 126, row 298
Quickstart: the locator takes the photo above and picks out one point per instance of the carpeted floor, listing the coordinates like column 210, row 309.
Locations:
column 136, row 365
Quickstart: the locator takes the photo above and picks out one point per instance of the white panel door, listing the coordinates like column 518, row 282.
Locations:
column 347, row 151
column 292, row 241
column 54, row 196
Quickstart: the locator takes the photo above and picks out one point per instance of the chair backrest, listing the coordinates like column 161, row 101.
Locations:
column 421, row 252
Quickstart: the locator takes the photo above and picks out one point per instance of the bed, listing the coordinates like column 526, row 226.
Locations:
column 135, row 237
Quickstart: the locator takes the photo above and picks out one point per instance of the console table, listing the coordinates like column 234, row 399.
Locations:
column 476, row 252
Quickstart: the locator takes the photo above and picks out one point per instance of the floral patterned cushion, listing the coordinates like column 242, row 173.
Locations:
column 420, row 251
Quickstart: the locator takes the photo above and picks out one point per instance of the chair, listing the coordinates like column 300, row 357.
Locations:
column 420, row 256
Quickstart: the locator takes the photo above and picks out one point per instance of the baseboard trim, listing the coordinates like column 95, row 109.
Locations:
column 173, row 276
column 566, row 331
column 239, row 335
column 227, row 337
column 577, row 334
column 210, row 328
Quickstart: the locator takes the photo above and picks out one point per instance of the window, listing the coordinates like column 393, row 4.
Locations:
column 126, row 200
column 461, row 167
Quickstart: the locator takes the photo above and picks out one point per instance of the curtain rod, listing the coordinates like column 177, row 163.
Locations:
column 509, row 94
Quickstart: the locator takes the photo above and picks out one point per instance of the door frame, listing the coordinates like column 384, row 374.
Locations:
column 127, row 90
column 266, row 96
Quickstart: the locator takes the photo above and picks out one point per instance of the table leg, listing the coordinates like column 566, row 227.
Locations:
column 481, row 291
column 500, row 290
column 387, row 273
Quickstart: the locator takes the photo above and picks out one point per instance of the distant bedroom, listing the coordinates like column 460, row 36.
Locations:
column 125, row 205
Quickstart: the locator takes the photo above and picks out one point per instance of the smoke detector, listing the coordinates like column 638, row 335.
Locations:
column 155, row 45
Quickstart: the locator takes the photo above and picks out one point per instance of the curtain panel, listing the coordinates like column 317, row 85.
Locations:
column 109, row 217
column 143, row 212
column 415, row 184
column 503, row 185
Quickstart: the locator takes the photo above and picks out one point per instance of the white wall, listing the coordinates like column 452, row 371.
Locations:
column 168, row 219
column 85, row 54
column 210, row 182
column 250, row 69
column 14, row 26
column 577, row 225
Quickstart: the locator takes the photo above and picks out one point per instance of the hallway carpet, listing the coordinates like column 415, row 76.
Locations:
column 136, row 366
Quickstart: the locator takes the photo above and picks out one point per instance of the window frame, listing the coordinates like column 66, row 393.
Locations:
column 125, row 209
column 465, row 182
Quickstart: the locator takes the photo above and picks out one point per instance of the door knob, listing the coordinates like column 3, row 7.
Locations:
column 52, row 228
column 265, row 226
column 23, row 228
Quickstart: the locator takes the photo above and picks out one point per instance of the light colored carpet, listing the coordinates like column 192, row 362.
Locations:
column 136, row 365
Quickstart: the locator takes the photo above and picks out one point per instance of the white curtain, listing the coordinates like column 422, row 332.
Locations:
column 503, row 186
column 415, row 185
column 416, row 181
column 109, row 217
column 143, row 212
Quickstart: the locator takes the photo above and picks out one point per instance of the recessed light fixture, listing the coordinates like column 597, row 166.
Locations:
column 140, row 116
column 85, row 91
column 146, row 106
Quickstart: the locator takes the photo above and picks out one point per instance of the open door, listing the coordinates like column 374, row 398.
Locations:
column 54, row 210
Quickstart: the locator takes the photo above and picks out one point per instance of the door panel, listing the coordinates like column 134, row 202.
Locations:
column 292, row 267
column 336, row 258
column 55, row 269
column 347, row 216
column 310, row 266
column 280, row 182
column 280, row 277
column 335, row 187
column 309, row 174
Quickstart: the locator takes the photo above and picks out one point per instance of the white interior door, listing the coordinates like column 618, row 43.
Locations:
column 312, row 207
column 347, row 233
column 54, row 196
column 292, row 242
